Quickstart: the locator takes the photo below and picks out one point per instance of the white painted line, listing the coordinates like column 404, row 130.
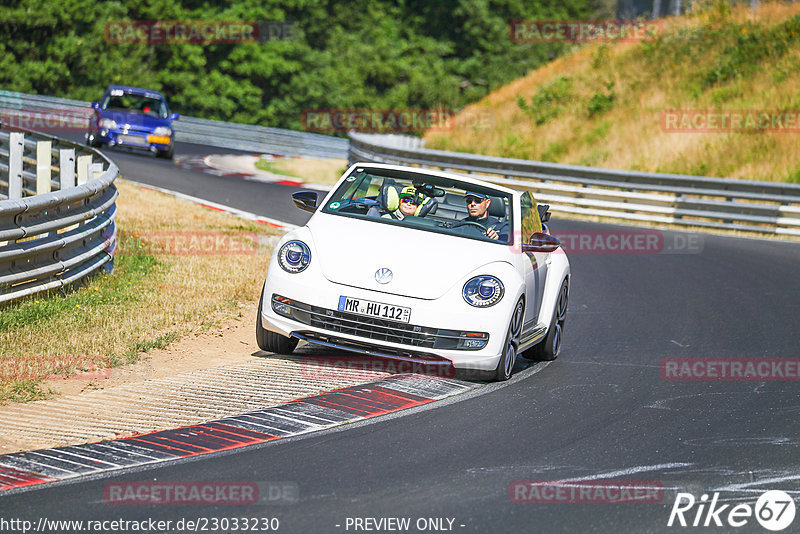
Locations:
column 745, row 485
column 628, row 471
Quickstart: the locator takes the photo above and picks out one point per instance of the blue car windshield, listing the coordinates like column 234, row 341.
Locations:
column 425, row 202
column 132, row 103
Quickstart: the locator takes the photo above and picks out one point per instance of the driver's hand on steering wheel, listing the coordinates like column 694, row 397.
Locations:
column 491, row 234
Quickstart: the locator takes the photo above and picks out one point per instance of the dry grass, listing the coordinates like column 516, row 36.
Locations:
column 646, row 81
column 317, row 171
column 154, row 296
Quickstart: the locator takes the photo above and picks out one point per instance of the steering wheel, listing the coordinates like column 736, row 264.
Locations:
column 459, row 224
column 357, row 204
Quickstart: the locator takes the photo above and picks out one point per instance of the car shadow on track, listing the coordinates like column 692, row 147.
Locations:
column 329, row 364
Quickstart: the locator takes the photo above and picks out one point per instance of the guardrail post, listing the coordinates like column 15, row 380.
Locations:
column 15, row 150
column 66, row 167
column 43, row 160
column 96, row 170
column 84, row 165
column 32, row 267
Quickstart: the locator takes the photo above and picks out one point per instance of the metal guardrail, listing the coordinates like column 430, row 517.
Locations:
column 206, row 132
column 53, row 231
column 719, row 203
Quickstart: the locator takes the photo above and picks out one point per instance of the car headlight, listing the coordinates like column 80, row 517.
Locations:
column 294, row 256
column 483, row 291
column 163, row 130
column 108, row 124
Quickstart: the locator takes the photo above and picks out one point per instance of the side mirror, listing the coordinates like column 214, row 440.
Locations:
column 541, row 243
column 96, row 105
column 305, row 200
column 174, row 116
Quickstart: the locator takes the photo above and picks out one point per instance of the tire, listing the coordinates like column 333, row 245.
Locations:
column 166, row 154
column 505, row 367
column 92, row 143
column 270, row 341
column 548, row 349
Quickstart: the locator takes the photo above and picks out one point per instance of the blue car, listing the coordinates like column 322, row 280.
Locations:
column 134, row 118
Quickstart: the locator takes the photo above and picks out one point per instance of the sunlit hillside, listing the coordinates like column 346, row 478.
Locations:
column 611, row 105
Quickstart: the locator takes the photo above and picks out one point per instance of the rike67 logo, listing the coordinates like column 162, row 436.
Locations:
column 774, row 510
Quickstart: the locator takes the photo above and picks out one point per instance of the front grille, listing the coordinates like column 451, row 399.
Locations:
column 363, row 347
column 371, row 327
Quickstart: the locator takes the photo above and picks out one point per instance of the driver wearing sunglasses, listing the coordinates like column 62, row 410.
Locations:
column 478, row 208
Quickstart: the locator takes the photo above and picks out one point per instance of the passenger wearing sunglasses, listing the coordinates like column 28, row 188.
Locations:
column 409, row 201
column 478, row 208
column 406, row 203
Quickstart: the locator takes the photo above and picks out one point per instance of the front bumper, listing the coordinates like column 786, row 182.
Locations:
column 435, row 336
column 141, row 140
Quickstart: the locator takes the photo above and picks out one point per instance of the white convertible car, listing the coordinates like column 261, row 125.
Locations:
column 418, row 265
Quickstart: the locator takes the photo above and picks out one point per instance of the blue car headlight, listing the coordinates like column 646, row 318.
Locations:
column 163, row 130
column 294, row 256
column 483, row 291
column 107, row 124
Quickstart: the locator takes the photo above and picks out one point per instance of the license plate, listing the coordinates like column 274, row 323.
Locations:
column 132, row 140
column 374, row 309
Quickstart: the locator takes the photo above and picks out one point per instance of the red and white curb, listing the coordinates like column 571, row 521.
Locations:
column 238, row 166
column 326, row 410
column 218, row 207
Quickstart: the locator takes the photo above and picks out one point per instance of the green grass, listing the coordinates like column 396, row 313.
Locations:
column 133, row 355
column 270, row 166
column 130, row 269
column 548, row 101
column 22, row 391
column 121, row 287
column 602, row 101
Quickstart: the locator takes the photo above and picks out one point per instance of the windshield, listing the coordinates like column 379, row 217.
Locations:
column 131, row 103
column 425, row 202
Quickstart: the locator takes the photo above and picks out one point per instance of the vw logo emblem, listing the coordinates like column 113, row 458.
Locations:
column 383, row 275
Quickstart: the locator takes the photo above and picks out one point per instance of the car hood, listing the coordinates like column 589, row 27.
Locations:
column 424, row 264
column 136, row 121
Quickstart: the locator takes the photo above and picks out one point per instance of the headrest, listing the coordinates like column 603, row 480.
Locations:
column 427, row 206
column 544, row 215
column 497, row 208
column 389, row 197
